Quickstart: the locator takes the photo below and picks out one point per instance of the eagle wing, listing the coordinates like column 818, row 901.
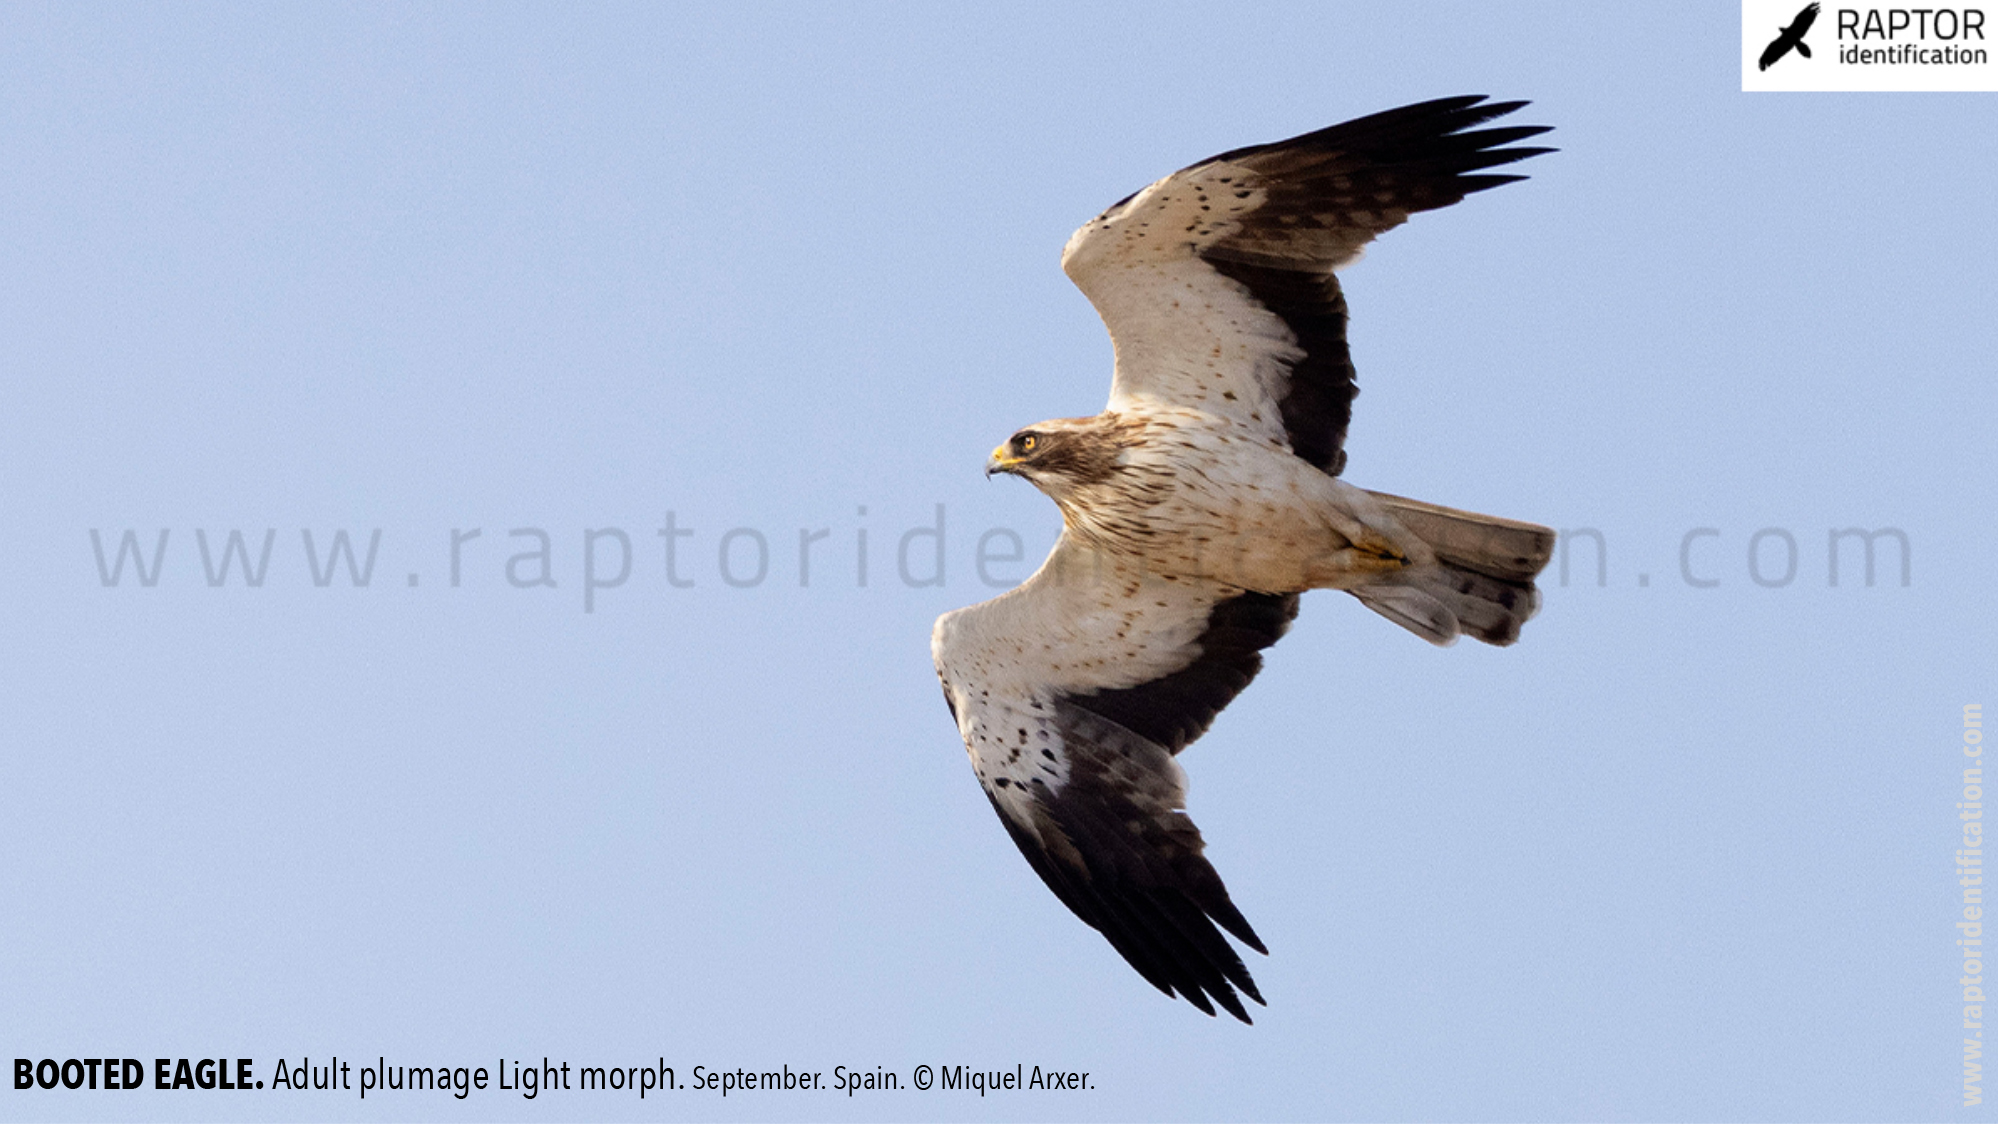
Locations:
column 1073, row 693
column 1216, row 282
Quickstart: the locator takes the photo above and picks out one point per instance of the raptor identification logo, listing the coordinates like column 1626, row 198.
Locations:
column 1827, row 45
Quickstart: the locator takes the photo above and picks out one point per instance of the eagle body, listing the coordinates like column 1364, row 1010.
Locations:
column 1197, row 496
column 1199, row 506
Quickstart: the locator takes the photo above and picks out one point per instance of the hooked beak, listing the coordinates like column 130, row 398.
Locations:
column 1002, row 461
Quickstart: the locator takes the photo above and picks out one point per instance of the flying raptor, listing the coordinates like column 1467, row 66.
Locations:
column 1791, row 36
column 1197, row 507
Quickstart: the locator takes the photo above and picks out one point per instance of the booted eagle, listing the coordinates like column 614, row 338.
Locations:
column 1197, row 507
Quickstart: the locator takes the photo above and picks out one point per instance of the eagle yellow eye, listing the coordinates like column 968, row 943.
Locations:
column 1028, row 442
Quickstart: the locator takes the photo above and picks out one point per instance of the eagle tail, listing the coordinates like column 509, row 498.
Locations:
column 1441, row 602
column 1506, row 549
column 1803, row 49
column 1481, row 583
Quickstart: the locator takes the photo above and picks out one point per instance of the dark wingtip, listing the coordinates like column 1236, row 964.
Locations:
column 1198, row 998
column 1234, row 1006
column 1511, row 134
column 1468, row 109
column 1224, row 913
column 1491, row 109
column 1473, row 184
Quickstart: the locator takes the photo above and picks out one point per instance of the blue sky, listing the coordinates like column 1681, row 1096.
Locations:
column 1683, row 853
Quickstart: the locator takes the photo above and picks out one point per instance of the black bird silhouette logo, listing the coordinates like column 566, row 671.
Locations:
column 1791, row 36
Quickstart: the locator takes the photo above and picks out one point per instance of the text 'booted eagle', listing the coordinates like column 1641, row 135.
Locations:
column 1197, row 507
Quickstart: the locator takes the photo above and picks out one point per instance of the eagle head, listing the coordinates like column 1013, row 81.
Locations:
column 1058, row 455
